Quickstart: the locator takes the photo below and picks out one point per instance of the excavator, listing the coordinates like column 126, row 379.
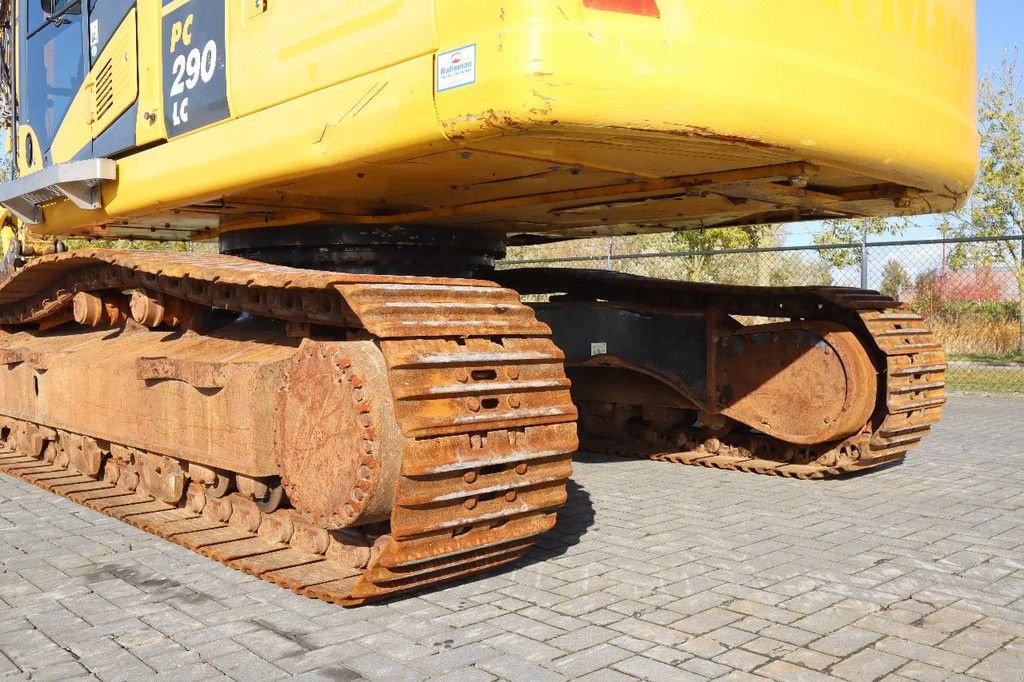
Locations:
column 343, row 394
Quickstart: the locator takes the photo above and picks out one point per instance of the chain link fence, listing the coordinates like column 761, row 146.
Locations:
column 970, row 299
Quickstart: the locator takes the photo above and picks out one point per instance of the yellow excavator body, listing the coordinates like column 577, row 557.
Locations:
column 350, row 400
column 528, row 117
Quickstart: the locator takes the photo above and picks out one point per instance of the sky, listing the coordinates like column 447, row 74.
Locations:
column 1000, row 27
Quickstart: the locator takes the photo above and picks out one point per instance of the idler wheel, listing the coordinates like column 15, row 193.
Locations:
column 339, row 447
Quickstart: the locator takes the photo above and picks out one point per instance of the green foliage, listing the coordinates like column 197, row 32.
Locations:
column 755, row 268
column 761, row 269
column 997, row 207
column 853, row 231
column 894, row 279
column 977, row 311
column 127, row 244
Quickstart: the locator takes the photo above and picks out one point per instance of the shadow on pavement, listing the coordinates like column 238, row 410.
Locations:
column 573, row 521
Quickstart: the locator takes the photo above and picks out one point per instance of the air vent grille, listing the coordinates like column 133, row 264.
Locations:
column 105, row 89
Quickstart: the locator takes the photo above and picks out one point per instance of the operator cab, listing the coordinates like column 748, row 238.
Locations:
column 60, row 43
column 76, row 86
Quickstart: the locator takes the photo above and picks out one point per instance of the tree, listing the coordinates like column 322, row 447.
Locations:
column 730, row 268
column 996, row 208
column 704, row 267
column 894, row 279
column 854, row 231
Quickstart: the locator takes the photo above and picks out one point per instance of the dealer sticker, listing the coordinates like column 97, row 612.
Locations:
column 456, row 68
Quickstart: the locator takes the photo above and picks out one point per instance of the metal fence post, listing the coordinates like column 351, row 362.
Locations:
column 864, row 258
column 975, row 314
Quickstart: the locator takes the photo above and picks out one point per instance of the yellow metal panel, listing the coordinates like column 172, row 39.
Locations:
column 881, row 87
column 109, row 90
column 116, row 76
column 150, row 125
column 573, row 121
column 379, row 117
column 297, row 48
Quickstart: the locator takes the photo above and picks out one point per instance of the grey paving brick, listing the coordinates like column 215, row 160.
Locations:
column 741, row 660
column 764, row 611
column 514, row 669
column 607, row 675
column 1004, row 665
column 886, row 626
column 867, row 665
column 705, row 668
column 810, row 658
column 706, row 621
column 923, row 672
column 909, row 573
column 791, row 672
column 245, row 665
column 975, row 643
column 583, row 638
column 650, row 631
column 788, row 634
column 913, row 651
column 448, row 660
column 588, row 660
column 950, row 619
column 836, row 616
column 649, row 669
column 333, row 656
column 524, row 647
column 845, row 641
column 7, row 666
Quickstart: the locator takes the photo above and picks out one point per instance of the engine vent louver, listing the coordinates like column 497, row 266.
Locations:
column 104, row 91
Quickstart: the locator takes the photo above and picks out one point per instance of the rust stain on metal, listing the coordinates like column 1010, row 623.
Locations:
column 436, row 447
column 711, row 134
column 856, row 342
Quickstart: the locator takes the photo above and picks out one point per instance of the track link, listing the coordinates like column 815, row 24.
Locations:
column 485, row 462
column 909, row 360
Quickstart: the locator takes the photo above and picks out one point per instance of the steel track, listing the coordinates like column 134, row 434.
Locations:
column 909, row 360
column 480, row 479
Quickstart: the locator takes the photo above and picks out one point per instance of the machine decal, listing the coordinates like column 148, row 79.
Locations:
column 195, row 82
column 456, row 68
column 94, row 38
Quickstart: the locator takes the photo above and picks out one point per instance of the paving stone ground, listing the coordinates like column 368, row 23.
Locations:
column 655, row 571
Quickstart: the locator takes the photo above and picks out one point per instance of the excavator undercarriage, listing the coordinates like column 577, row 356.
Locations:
column 345, row 436
column 822, row 381
column 352, row 399
column 354, row 436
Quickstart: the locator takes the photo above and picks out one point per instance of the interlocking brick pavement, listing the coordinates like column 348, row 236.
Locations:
column 655, row 571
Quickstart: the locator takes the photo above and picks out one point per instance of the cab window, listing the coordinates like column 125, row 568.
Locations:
column 53, row 65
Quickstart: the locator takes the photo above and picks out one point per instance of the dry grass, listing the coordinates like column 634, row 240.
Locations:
column 978, row 337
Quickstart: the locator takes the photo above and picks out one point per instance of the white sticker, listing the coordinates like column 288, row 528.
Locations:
column 456, row 68
column 94, row 38
column 598, row 349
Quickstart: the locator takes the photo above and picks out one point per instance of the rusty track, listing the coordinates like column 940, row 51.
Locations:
column 909, row 360
column 484, row 464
